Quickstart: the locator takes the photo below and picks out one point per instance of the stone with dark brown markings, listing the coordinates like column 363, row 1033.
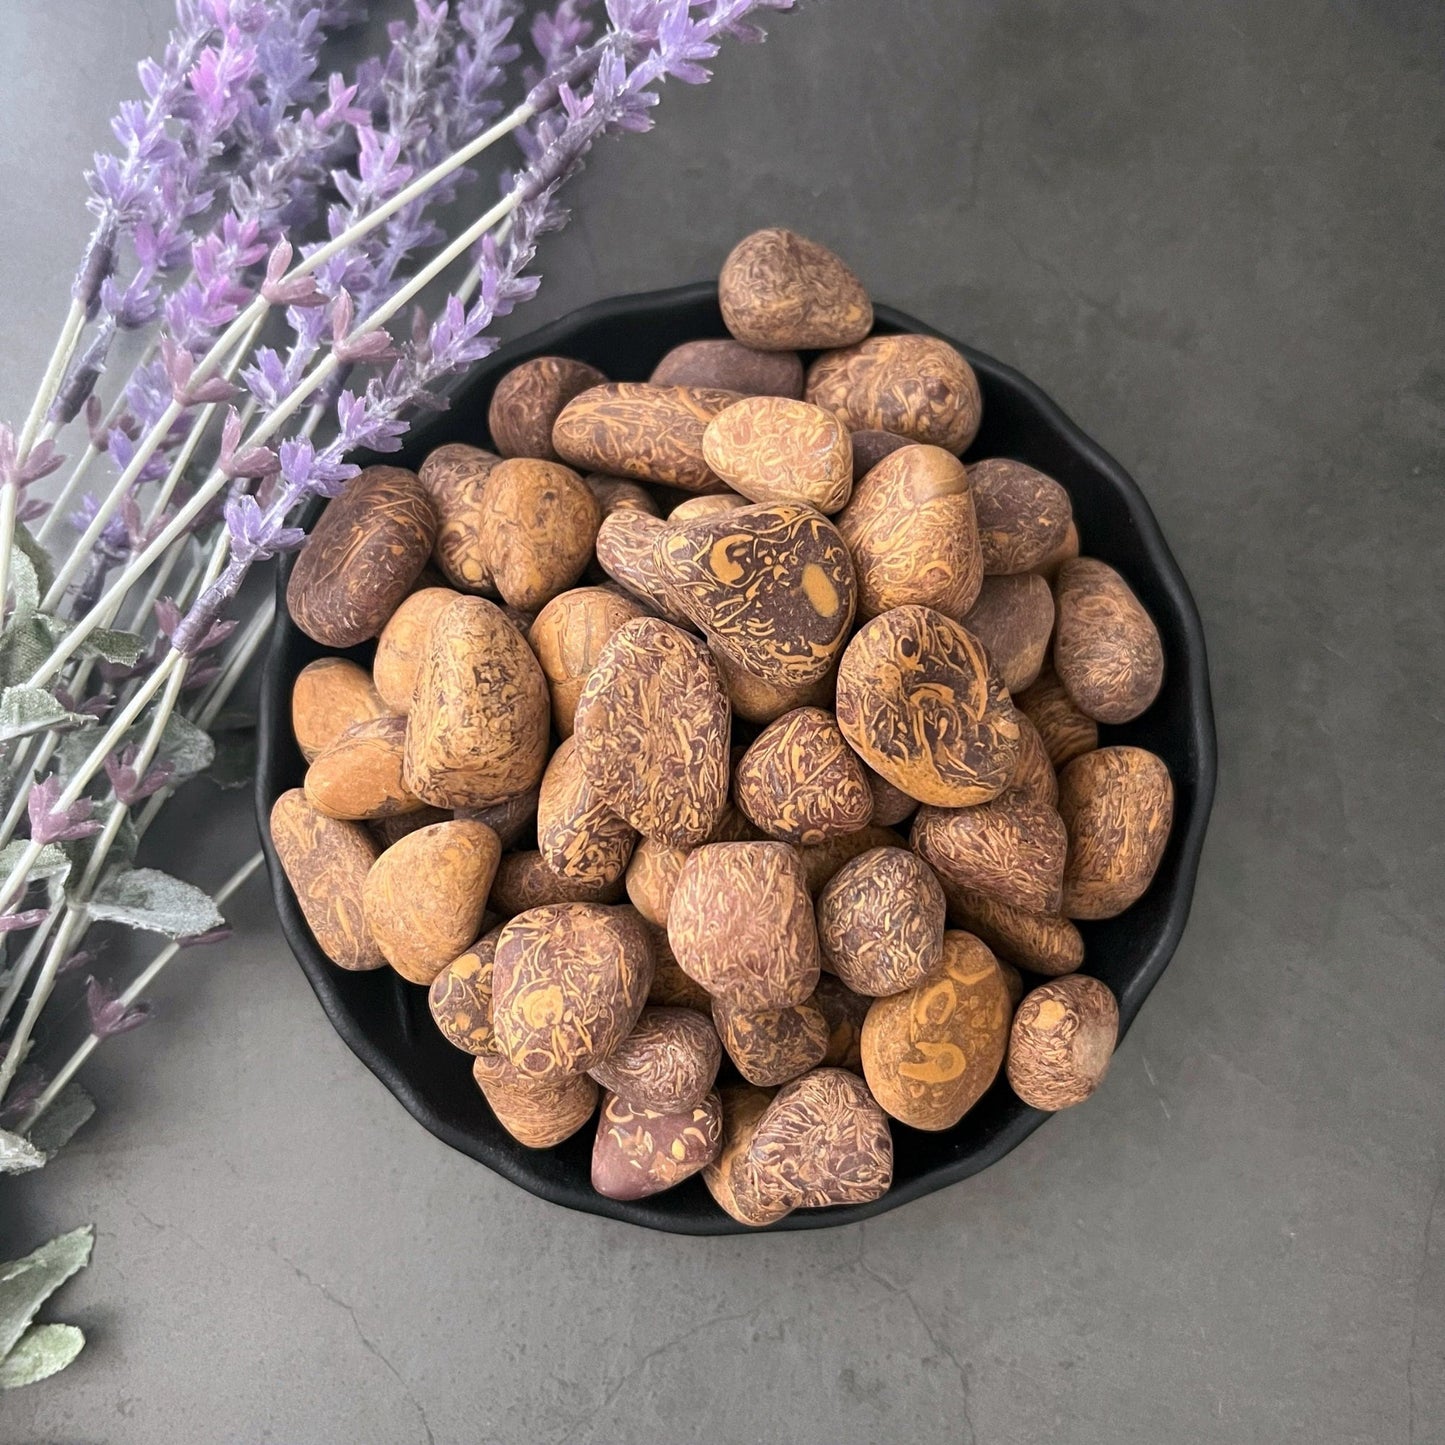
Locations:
column 569, row 982
column 540, row 1113
column 359, row 775
column 1040, row 942
column 568, row 637
column 455, row 477
column 403, row 645
column 760, row 700
column 1118, row 805
column 1023, row 515
column 1048, row 567
column 529, row 399
column 652, row 731
column 729, row 1178
column 480, row 721
column 1034, row 775
column 641, row 1152
column 647, row 433
column 844, row 1011
column 780, row 291
column 870, row 447
column 626, row 552
column 771, row 585
column 773, row 1045
column 891, row 806
column 1062, row 1041
column 880, row 922
column 391, row 830
column 1010, row 848
column 911, row 531
column 667, row 1063
column 509, row 820
column 741, row 924
column 617, row 494
column 774, row 449
column 714, row 504
column 363, row 555
column 915, row 386
column 1065, row 731
column 326, row 862
column 524, row 881
column 579, row 836
column 671, row 987
column 460, row 997
column 539, row 530
column 821, row 863
column 1107, row 650
column 728, row 365
column 930, row 1053
column 920, row 703
column 653, row 872
column 1014, row 619
column 801, row 782
column 329, row 696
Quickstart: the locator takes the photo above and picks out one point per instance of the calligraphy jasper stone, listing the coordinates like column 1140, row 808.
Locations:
column 844, row 1012
column 1014, row 619
column 870, row 447
column 920, row 703
column 425, row 896
column 1040, row 942
column 741, row 924
column 568, row 637
column 1022, row 514
column 771, row 585
column 508, row 820
column 1034, row 775
column 479, row 725
column 1107, row 651
column 711, row 505
column 524, row 881
column 668, row 1062
column 539, row 529
column 579, row 836
column 1010, row 848
column 1048, row 568
column 1062, row 1040
column 929, row 1053
column 801, row 782
column 363, row 556
column 1066, row 733
column 915, row 386
column 774, row 449
column 729, row 1178
column 617, row 494
column 626, row 552
column 891, row 805
column 821, row 863
column 455, row 477
column 652, row 730
column 731, row 366
column 823, row 1140
column 760, row 700
column 671, row 987
column 910, row 528
column 529, row 399
column 780, row 291
column 329, row 696
column 648, row 433
column 539, row 1113
column 326, row 862
column 460, row 997
column 655, row 867
column 773, row 1045
column 569, row 982
column 403, row 646
column 393, row 829
column 639, row 1152
column 880, row 922
column 359, row 775
column 1117, row 804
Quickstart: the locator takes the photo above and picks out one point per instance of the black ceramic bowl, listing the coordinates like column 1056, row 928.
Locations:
column 385, row 1020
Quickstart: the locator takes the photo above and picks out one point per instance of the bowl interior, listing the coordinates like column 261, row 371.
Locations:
column 385, row 1020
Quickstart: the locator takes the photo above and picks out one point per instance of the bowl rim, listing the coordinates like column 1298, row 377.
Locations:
column 273, row 740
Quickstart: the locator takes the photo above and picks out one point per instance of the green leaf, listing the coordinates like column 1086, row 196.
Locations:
column 26, row 582
column 51, row 862
column 26, row 644
column 25, row 710
column 44, row 1350
column 25, row 1284
column 122, row 648
column 18, row 1155
column 147, row 898
column 186, row 748
column 38, row 557
column 63, row 1119
column 235, row 763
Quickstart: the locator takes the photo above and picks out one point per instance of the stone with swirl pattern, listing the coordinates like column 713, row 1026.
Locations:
column 671, row 987
column 509, row 820
column 1045, row 943
column 653, row 873
column 455, row 477
column 844, row 1012
column 921, row 704
column 880, row 922
column 359, row 775
column 1107, row 650
column 540, row 1113
column 779, row 291
column 617, row 494
column 800, row 782
column 1118, row 805
column 525, row 881
column 771, row 585
column 1023, row 515
column 916, row 386
column 403, row 644
column 891, row 806
column 626, row 552
column 773, row 1045
column 667, row 1063
column 568, row 637
column 741, row 924
column 1066, row 732
column 930, row 1052
column 639, row 1152
column 569, row 982
column 580, row 838
column 911, row 530
column 729, row 1178
column 772, row 449
column 460, row 997
column 1063, row 1038
column 1014, row 619
column 652, row 732
column 1034, row 775
column 529, row 399
column 821, row 863
column 758, row 700
column 647, row 433
column 730, row 366
column 329, row 696
column 363, row 556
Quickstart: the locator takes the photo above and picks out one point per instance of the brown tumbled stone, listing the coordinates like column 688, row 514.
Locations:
column 640, row 1152
column 403, row 645
column 329, row 696
column 529, row 399
column 579, row 836
column 1107, row 651
column 1014, row 619
column 540, row 1113
column 455, row 477
column 668, row 1062
column 1010, row 848
column 524, row 881
column 728, row 365
column 1066, row 733
column 1023, row 516
column 539, row 530
column 460, row 997
column 773, row 449
column 568, row 636
column 773, row 1045
column 359, row 775
column 1062, row 1041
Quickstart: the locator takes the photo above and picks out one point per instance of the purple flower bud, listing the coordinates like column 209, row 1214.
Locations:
column 129, row 787
column 108, row 1016
column 14, row 922
column 51, row 824
column 212, row 935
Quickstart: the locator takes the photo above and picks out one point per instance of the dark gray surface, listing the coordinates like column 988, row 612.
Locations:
column 1214, row 234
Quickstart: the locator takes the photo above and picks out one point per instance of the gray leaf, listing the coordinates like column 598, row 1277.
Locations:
column 36, row 554
column 26, row 582
column 26, row 644
column 25, row 710
column 118, row 647
column 235, row 763
column 148, row 898
column 43, row 1351
column 63, row 1119
column 52, row 862
column 18, row 1155
column 25, row 1284
column 186, row 748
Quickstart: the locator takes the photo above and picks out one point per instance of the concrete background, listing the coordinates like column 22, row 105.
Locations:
column 1213, row 232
